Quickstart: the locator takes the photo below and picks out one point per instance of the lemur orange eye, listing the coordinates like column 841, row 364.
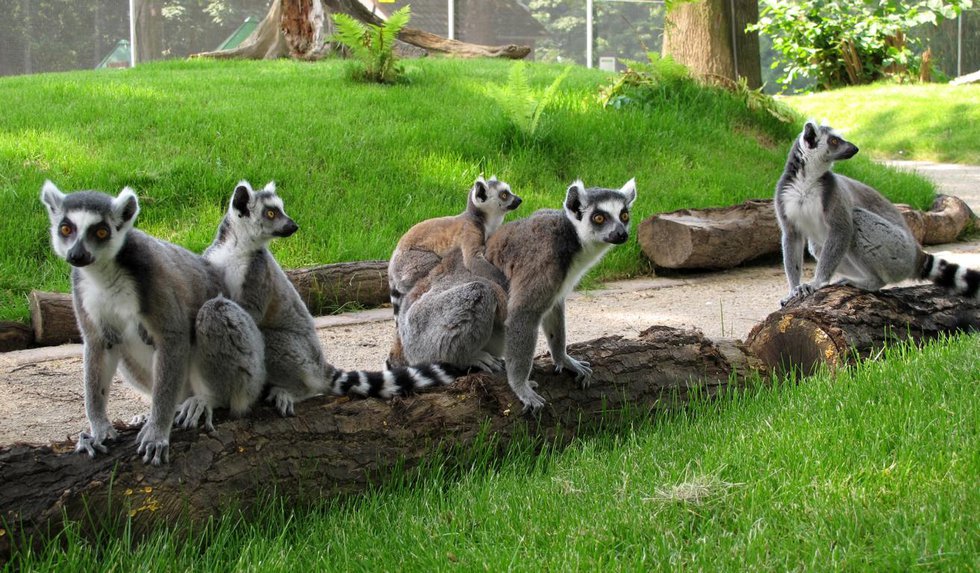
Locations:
column 270, row 214
column 65, row 230
column 624, row 217
column 102, row 233
column 598, row 218
column 504, row 195
column 834, row 141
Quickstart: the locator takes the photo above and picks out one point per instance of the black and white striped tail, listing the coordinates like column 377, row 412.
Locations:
column 959, row 279
column 391, row 383
column 396, row 299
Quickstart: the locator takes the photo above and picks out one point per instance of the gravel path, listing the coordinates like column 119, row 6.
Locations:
column 42, row 388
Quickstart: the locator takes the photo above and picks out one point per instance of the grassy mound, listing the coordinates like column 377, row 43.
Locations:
column 359, row 164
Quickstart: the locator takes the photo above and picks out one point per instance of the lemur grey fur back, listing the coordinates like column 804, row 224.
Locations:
column 156, row 310
column 849, row 227
column 458, row 317
column 295, row 362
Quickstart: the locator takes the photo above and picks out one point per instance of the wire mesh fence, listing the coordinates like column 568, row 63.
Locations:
column 56, row 35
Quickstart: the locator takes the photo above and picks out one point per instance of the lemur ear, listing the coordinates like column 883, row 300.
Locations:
column 241, row 198
column 125, row 206
column 480, row 191
column 52, row 197
column 629, row 191
column 270, row 187
column 574, row 198
column 810, row 133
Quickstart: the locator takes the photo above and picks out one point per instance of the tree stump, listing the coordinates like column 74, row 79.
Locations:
column 722, row 238
column 337, row 446
column 15, row 336
column 837, row 324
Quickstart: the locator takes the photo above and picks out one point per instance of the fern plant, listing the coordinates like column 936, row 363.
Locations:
column 520, row 104
column 372, row 46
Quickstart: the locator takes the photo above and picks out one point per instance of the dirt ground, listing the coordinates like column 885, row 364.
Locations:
column 41, row 389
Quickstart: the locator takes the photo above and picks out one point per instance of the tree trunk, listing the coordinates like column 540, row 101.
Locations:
column 837, row 324
column 699, row 35
column 149, row 30
column 339, row 446
column 722, row 238
column 294, row 28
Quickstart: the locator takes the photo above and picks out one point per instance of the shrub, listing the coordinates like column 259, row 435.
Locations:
column 372, row 46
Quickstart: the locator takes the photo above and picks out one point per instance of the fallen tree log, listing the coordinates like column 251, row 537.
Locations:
column 723, row 238
column 338, row 446
column 838, row 324
column 324, row 289
column 15, row 336
column 299, row 29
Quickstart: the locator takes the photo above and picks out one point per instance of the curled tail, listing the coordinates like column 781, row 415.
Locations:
column 959, row 279
column 395, row 382
column 396, row 299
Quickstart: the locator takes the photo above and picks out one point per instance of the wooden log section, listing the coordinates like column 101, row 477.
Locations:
column 726, row 237
column 15, row 336
column 336, row 446
column 324, row 289
column 836, row 324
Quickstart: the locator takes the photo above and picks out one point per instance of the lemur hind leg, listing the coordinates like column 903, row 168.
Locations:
column 881, row 252
column 229, row 366
column 453, row 326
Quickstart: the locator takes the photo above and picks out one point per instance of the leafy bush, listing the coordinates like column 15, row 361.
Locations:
column 838, row 43
column 520, row 104
column 372, row 46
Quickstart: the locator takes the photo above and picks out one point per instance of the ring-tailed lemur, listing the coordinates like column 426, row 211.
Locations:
column 295, row 362
column 156, row 311
column 543, row 257
column 422, row 247
column 850, row 228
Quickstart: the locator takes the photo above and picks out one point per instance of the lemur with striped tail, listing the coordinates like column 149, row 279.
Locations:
column 295, row 363
column 849, row 227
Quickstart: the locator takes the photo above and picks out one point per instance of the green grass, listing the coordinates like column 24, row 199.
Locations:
column 936, row 122
column 359, row 164
column 875, row 469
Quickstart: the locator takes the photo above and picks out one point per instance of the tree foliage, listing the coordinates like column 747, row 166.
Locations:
column 372, row 46
column 838, row 43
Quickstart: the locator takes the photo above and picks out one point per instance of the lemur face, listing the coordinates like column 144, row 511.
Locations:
column 494, row 197
column 260, row 214
column 87, row 226
column 825, row 143
column 600, row 215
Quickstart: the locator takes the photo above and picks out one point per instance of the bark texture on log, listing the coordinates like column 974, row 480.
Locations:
column 324, row 289
column 710, row 238
column 53, row 318
column 837, row 324
column 15, row 336
column 725, row 237
column 337, row 446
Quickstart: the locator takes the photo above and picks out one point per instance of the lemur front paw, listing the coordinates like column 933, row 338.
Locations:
column 139, row 419
column 91, row 441
column 799, row 291
column 154, row 444
column 190, row 411
column 532, row 400
column 283, row 400
column 581, row 368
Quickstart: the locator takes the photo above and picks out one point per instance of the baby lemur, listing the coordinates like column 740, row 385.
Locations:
column 155, row 310
column 543, row 257
column 423, row 246
column 294, row 360
column 850, row 228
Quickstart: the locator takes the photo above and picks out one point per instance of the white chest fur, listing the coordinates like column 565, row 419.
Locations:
column 581, row 263
column 802, row 204
column 110, row 298
column 234, row 264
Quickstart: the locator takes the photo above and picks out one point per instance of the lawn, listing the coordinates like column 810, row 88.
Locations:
column 358, row 164
column 936, row 122
column 874, row 468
